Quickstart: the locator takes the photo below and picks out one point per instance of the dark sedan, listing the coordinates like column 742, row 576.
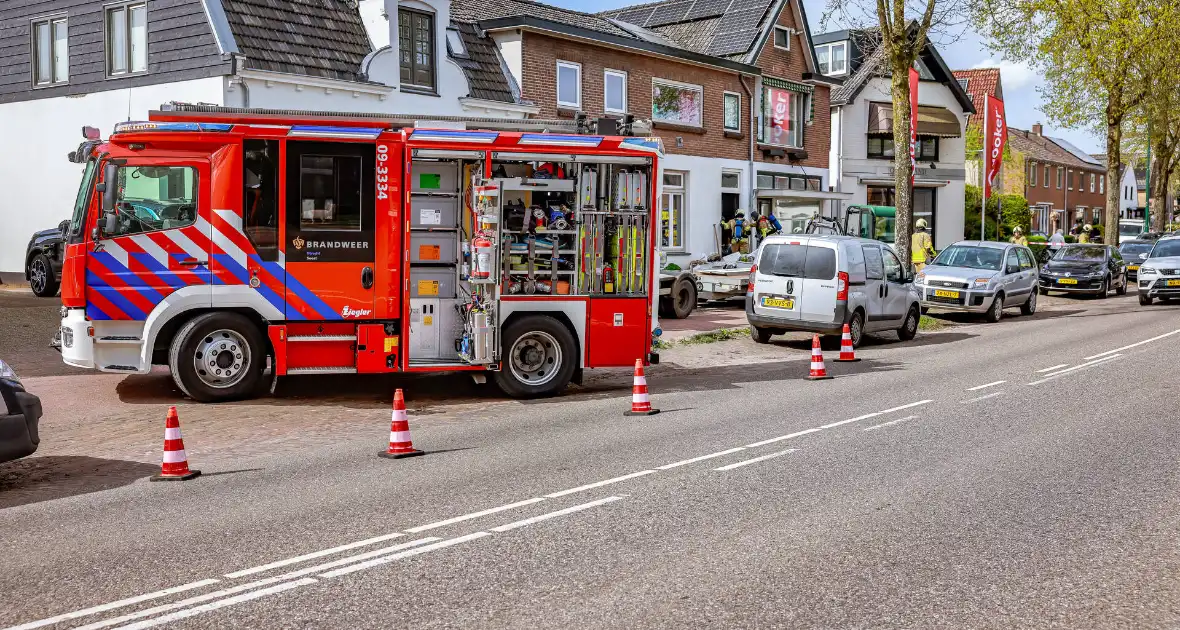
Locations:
column 1131, row 250
column 43, row 260
column 19, row 413
column 1092, row 269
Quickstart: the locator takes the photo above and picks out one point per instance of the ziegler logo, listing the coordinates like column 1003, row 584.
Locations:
column 298, row 242
column 348, row 311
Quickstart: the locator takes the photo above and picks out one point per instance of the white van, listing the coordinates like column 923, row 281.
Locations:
column 819, row 283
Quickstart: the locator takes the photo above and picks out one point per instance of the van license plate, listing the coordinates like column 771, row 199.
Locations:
column 1067, row 280
column 946, row 294
column 773, row 302
column 1132, row 267
column 1172, row 283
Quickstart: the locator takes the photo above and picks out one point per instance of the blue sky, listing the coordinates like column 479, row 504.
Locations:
column 1022, row 103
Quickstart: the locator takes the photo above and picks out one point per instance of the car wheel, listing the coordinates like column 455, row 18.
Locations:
column 1029, row 307
column 41, row 278
column 1122, row 288
column 218, row 357
column 856, row 328
column 909, row 329
column 997, row 309
column 1144, row 300
column 760, row 335
column 683, row 298
column 1102, row 293
column 538, row 358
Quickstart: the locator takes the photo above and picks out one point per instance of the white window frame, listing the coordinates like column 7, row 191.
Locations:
column 557, row 84
column 53, row 21
column 108, row 49
column 1032, row 176
column 677, row 84
column 455, row 45
column 774, row 37
column 1047, row 176
column 724, row 126
column 667, row 190
column 1060, row 177
column 1092, row 185
column 605, row 100
column 1102, row 183
column 832, row 72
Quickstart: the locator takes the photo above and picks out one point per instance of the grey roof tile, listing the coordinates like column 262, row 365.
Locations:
column 479, row 10
column 324, row 38
column 485, row 74
column 722, row 28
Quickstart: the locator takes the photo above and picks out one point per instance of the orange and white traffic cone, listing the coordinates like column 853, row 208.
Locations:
column 175, row 464
column 400, row 444
column 818, row 371
column 640, row 402
column 847, row 351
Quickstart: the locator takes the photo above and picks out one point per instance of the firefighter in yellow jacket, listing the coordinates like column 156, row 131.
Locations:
column 921, row 246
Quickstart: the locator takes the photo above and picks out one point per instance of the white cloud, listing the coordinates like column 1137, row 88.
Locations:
column 1013, row 74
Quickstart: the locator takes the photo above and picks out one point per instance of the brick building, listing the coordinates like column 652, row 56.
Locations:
column 1064, row 186
column 734, row 94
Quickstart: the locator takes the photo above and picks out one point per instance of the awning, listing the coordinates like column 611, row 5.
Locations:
column 918, row 183
column 932, row 121
column 801, row 194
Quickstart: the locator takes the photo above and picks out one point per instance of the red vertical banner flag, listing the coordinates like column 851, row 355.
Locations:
column 780, row 118
column 913, row 125
column 995, row 135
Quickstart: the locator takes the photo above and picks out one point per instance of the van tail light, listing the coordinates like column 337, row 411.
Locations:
column 842, row 286
column 750, row 287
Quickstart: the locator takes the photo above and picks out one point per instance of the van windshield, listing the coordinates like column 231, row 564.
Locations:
column 798, row 261
column 1130, row 229
column 971, row 257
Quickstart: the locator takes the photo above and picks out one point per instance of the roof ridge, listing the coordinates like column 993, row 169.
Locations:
column 562, row 9
column 642, row 5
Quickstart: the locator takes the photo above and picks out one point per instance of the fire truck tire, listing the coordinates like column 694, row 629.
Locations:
column 218, row 357
column 539, row 357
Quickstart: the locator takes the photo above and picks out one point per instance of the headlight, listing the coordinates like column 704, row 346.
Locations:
column 1147, row 271
column 920, row 278
column 7, row 373
column 1045, row 269
column 981, row 282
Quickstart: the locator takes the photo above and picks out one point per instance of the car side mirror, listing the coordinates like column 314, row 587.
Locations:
column 1142, row 256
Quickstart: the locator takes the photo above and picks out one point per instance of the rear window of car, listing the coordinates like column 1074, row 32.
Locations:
column 798, row 261
column 1134, row 249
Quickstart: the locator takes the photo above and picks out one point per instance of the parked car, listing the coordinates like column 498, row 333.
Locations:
column 1159, row 273
column 981, row 277
column 43, row 260
column 1134, row 252
column 18, row 423
column 1085, row 268
column 818, row 283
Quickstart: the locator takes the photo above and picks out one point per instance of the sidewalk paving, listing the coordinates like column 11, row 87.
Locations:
column 705, row 318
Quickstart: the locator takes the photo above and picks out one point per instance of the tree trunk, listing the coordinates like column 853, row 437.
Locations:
column 902, row 167
column 1159, row 184
column 1114, row 163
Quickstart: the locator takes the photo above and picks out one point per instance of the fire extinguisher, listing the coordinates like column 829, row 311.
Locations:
column 608, row 279
column 482, row 269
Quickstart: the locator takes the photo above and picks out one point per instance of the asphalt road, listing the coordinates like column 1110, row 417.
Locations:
column 1013, row 475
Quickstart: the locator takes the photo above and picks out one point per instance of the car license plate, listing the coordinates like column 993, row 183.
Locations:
column 1067, row 281
column 946, row 294
column 1172, row 283
column 774, row 302
column 1132, row 267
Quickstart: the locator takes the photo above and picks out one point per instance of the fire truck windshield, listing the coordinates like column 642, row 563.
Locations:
column 83, row 201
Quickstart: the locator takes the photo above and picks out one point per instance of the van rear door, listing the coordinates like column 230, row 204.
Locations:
column 778, row 283
column 819, row 282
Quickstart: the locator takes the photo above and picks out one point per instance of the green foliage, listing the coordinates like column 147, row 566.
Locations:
column 725, row 334
column 1037, row 239
column 1012, row 210
column 1041, row 251
column 928, row 323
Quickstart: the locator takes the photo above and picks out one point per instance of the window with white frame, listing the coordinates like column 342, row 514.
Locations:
column 51, row 54
column 126, row 39
column 832, row 59
column 569, row 84
column 672, row 211
column 1032, row 174
column 732, row 109
column 1060, row 177
column 455, row 44
column 1046, row 182
column 614, row 91
column 782, row 37
column 677, row 103
column 1102, row 183
column 1092, row 183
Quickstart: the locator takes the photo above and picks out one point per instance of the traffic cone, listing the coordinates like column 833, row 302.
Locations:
column 399, row 432
column 175, row 464
column 818, row 371
column 847, row 352
column 640, row 403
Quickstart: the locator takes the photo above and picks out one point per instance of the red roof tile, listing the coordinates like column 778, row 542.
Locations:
column 980, row 82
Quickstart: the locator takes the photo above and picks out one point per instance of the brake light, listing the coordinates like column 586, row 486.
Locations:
column 750, row 287
column 842, row 286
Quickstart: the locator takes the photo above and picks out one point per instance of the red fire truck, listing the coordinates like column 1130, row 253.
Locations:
column 228, row 244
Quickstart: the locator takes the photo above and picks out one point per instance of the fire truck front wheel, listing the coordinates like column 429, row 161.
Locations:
column 538, row 359
column 218, row 357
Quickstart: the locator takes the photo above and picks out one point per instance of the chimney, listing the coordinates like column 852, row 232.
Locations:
column 1036, row 129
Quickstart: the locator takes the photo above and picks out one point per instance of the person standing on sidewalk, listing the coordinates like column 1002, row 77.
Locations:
column 1018, row 237
column 921, row 246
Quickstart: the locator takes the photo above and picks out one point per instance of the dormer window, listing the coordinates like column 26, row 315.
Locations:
column 832, row 59
column 455, row 44
column 782, row 37
column 415, row 33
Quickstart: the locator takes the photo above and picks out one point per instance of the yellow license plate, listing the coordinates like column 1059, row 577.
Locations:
column 787, row 303
column 1067, row 281
column 946, row 294
column 1132, row 267
column 1172, row 283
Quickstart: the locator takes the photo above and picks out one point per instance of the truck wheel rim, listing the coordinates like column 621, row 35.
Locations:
column 682, row 298
column 222, row 359
column 535, row 358
column 37, row 275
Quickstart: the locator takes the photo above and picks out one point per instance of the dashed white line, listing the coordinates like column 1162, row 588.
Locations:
column 545, row 517
column 311, row 556
column 352, row 568
column 702, row 458
column 833, row 425
column 1050, row 369
column 221, row 603
column 756, row 460
column 1134, row 345
column 891, row 422
column 112, row 605
column 1076, row 367
column 783, row 437
column 979, row 387
column 467, row 517
column 984, row 397
column 599, row 484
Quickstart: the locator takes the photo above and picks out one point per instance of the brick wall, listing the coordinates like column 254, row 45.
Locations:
column 1058, row 198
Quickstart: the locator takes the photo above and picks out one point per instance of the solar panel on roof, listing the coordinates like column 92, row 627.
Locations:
column 707, row 9
column 669, row 13
column 635, row 16
column 739, row 5
column 732, row 42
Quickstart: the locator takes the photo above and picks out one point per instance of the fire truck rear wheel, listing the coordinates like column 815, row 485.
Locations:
column 218, row 357
column 538, row 358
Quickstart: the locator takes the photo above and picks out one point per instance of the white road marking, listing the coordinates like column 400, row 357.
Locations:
column 222, row 603
column 467, row 517
column 979, row 387
column 545, row 517
column 405, row 554
column 1076, row 367
column 984, row 397
column 112, row 605
column 700, row 459
column 783, row 437
column 1134, row 345
column 756, row 460
column 311, row 556
column 599, row 484
column 856, row 419
column 891, row 422
column 1050, row 369
column 199, row 599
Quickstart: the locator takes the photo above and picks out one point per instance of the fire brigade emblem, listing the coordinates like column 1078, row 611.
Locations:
column 298, row 242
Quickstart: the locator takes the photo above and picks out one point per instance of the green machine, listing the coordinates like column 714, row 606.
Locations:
column 878, row 223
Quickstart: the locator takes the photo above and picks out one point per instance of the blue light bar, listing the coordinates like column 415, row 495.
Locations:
column 566, row 141
column 316, row 131
column 130, row 127
column 454, row 135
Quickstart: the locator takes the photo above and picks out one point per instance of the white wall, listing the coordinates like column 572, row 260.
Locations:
column 39, row 183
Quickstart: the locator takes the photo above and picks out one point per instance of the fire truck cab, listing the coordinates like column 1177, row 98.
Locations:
column 228, row 244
